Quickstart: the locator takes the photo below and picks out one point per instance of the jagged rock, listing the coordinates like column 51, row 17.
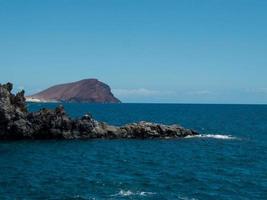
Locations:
column 17, row 123
column 13, row 114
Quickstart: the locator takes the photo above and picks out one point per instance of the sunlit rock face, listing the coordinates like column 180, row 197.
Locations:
column 87, row 90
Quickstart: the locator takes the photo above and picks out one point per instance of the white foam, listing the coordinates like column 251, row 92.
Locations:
column 186, row 198
column 124, row 193
column 214, row 136
column 147, row 193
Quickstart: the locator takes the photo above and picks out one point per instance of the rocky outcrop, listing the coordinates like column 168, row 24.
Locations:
column 17, row 123
column 87, row 90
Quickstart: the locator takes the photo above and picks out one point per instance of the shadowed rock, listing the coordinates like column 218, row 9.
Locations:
column 17, row 123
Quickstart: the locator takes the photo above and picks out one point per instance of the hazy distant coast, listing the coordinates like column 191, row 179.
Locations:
column 36, row 100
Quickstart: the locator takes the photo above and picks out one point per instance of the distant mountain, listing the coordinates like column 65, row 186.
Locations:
column 88, row 90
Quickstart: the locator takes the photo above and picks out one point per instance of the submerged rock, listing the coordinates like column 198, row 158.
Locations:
column 17, row 123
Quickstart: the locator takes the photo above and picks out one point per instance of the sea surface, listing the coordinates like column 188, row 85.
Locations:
column 228, row 161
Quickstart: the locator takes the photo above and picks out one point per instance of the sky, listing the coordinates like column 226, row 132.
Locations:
column 158, row 51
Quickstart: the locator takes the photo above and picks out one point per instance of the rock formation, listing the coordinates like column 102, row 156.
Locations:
column 17, row 123
column 88, row 90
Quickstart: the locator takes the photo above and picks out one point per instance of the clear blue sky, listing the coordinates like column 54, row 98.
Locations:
column 191, row 51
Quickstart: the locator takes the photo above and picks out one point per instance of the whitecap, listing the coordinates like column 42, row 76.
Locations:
column 214, row 136
column 124, row 193
column 186, row 198
column 146, row 193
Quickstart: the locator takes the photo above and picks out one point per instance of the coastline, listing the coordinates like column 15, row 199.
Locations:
column 16, row 122
column 35, row 100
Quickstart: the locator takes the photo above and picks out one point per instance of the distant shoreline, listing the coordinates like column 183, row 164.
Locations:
column 35, row 100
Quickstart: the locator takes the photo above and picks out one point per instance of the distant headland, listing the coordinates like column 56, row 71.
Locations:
column 84, row 91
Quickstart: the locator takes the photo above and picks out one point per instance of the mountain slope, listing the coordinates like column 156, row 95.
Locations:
column 88, row 90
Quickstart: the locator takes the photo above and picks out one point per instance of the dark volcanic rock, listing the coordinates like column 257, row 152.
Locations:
column 13, row 113
column 17, row 123
column 88, row 90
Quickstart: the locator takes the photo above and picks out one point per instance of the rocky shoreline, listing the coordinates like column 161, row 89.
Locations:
column 16, row 122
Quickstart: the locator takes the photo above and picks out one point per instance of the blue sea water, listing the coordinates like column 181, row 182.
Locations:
column 229, row 161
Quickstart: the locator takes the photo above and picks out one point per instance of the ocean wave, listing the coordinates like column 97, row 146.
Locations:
column 124, row 193
column 214, row 136
column 186, row 198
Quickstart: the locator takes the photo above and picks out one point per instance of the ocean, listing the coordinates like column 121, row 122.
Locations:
column 228, row 161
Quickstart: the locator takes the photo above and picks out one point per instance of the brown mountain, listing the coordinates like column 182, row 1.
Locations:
column 88, row 90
